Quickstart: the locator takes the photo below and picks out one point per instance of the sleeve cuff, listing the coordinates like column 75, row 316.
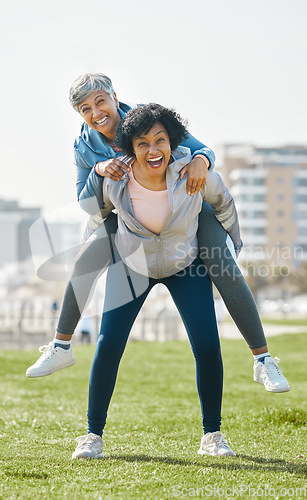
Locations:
column 204, row 158
column 98, row 175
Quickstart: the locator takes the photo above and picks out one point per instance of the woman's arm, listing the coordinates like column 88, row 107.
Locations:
column 217, row 195
column 198, row 167
column 89, row 186
column 99, row 216
column 90, row 180
column 198, row 147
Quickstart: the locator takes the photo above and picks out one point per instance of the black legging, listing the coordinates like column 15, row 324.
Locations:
column 191, row 290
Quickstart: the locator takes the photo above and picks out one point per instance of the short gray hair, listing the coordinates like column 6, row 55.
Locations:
column 87, row 83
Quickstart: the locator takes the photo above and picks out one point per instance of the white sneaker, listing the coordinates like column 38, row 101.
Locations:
column 215, row 444
column 52, row 359
column 270, row 375
column 89, row 446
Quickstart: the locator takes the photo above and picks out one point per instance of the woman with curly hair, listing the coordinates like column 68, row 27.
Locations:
column 98, row 158
column 157, row 243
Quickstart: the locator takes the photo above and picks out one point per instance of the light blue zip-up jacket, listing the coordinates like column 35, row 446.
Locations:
column 175, row 248
column 91, row 148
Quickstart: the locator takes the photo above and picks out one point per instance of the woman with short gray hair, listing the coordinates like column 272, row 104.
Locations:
column 96, row 157
column 87, row 83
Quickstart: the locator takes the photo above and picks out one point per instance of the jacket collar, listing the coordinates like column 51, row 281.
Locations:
column 181, row 156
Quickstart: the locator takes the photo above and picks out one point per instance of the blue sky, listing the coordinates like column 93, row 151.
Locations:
column 236, row 69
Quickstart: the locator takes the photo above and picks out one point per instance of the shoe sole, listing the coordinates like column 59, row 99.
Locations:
column 49, row 372
column 100, row 455
column 201, row 452
column 286, row 389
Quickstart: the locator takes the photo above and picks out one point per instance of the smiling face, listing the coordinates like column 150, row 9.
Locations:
column 153, row 151
column 100, row 112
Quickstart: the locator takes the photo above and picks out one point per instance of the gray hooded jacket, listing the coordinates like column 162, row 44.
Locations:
column 175, row 248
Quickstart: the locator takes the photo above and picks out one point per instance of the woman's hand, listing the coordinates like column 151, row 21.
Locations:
column 197, row 171
column 114, row 168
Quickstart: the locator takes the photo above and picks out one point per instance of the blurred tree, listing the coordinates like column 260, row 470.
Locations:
column 298, row 278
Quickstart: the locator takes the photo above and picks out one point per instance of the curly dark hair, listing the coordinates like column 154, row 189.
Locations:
column 142, row 118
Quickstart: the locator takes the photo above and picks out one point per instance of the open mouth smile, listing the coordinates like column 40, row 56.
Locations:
column 155, row 162
column 102, row 122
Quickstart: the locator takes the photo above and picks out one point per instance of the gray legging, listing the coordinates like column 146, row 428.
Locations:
column 98, row 253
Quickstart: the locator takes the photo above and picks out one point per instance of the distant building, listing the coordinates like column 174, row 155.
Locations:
column 269, row 186
column 52, row 238
column 15, row 222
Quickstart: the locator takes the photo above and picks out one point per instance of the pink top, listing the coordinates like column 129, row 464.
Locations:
column 150, row 207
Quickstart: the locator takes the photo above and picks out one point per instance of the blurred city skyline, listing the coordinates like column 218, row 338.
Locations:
column 236, row 70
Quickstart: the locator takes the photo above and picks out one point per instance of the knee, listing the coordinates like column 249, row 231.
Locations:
column 108, row 348
column 208, row 351
column 93, row 259
column 80, row 265
column 220, row 266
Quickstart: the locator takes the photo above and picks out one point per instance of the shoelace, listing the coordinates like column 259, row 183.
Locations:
column 44, row 348
column 220, row 440
column 87, row 439
column 272, row 368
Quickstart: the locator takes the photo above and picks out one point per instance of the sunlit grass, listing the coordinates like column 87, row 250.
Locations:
column 153, row 429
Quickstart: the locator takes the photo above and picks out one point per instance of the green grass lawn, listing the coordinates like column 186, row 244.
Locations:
column 284, row 321
column 153, row 430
